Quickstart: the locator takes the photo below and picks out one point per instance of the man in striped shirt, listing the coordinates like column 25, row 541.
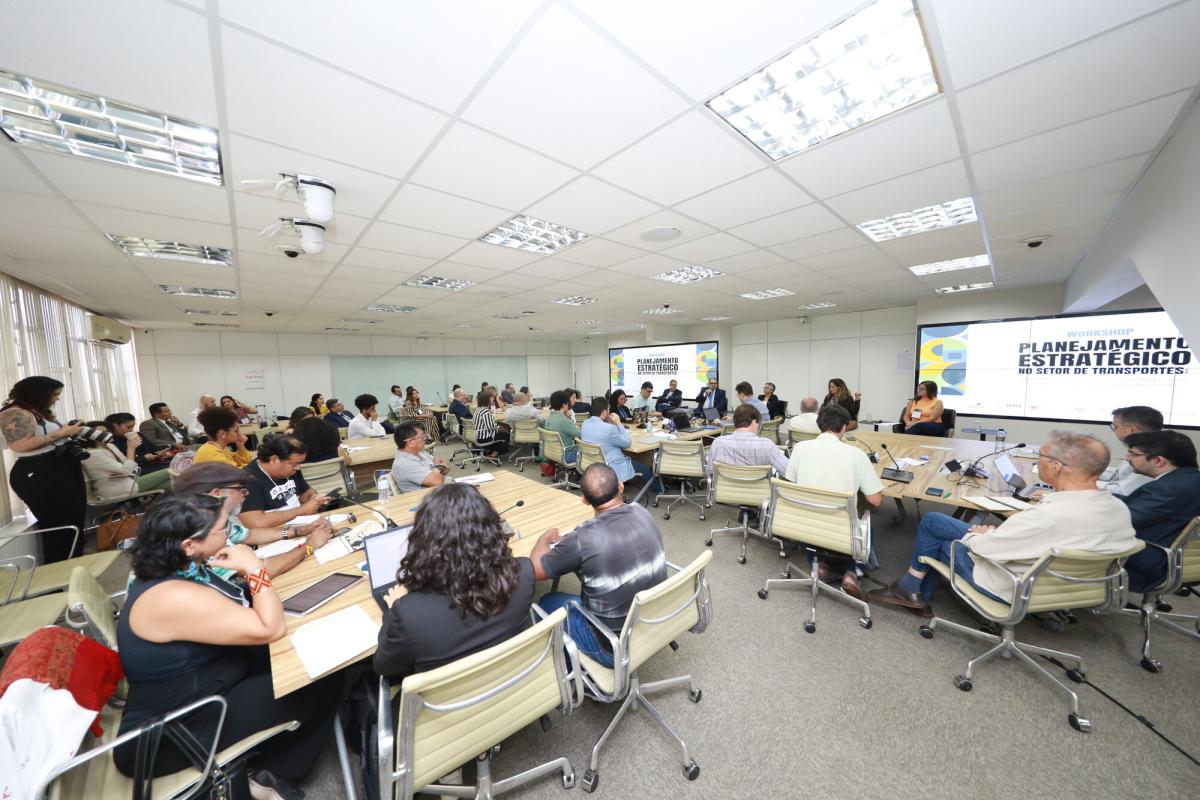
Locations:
column 744, row 447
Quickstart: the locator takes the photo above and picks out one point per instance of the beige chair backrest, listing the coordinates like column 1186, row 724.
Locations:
column 1067, row 579
column 453, row 713
column 552, row 447
column 824, row 519
column 343, row 433
column 770, row 430
column 735, row 485
column 797, row 436
column 468, row 431
column 525, row 431
column 325, row 476
column 89, row 609
column 681, row 459
column 1185, row 556
column 663, row 613
column 589, row 454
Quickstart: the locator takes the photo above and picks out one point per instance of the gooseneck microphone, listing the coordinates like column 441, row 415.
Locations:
column 974, row 470
column 871, row 454
column 391, row 523
column 899, row 475
column 517, row 504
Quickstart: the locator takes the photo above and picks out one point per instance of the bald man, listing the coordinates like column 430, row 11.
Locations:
column 1076, row 515
column 194, row 428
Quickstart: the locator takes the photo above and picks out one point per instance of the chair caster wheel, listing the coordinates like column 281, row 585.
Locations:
column 691, row 770
column 962, row 683
column 591, row 779
column 655, row 503
column 1081, row 724
column 667, row 515
column 695, row 695
column 522, row 469
column 926, row 632
column 1075, row 675
column 1152, row 665
column 568, row 781
column 1052, row 625
column 1165, row 608
column 741, row 559
column 782, row 554
column 787, row 573
column 866, row 622
column 810, row 627
column 762, row 594
column 708, row 543
column 546, row 722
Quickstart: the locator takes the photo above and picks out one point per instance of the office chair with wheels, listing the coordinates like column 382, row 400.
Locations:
column 686, row 462
column 20, row 616
column 749, row 489
column 769, row 429
column 476, row 451
column 554, row 452
column 524, row 434
column 1059, row 580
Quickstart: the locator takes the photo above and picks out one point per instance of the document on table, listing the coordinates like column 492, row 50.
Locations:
column 905, row 463
column 303, row 519
column 278, row 548
column 479, row 477
column 987, row 503
column 1012, row 502
column 325, row 644
column 356, row 449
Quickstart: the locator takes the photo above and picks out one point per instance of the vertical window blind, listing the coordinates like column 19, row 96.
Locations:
column 43, row 334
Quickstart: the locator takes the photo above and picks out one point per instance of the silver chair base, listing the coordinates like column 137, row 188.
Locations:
column 485, row 788
column 566, row 482
column 517, row 448
column 683, row 497
column 636, row 698
column 746, row 531
column 1150, row 615
column 454, row 454
column 1006, row 645
column 817, row 586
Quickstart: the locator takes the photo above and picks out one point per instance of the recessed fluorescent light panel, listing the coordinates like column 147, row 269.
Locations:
column 715, row 319
column 341, row 330
column 534, row 235
column 920, row 220
column 172, row 251
column 690, row 274
column 662, row 311
column 434, row 282
column 51, row 117
column 199, row 291
column 465, row 325
column 513, row 314
column 575, row 301
column 385, row 308
column 590, row 322
column 866, row 67
column 966, row 287
column 950, row 266
column 539, row 330
column 204, row 312
column 359, row 321
column 767, row 294
column 815, row 306
column 216, row 325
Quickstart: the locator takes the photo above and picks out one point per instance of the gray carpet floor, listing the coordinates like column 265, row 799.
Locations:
column 847, row 712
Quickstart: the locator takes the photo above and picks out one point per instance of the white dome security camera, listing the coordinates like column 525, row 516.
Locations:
column 312, row 235
column 317, row 195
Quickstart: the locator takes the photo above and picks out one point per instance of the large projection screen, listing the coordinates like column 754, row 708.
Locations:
column 690, row 363
column 1070, row 368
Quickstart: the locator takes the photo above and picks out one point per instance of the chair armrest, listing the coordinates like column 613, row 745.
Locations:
column 1020, row 600
column 600, row 627
column 385, row 741
column 32, row 531
column 11, row 562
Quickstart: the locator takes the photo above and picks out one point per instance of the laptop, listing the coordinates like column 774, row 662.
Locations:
column 1011, row 475
column 711, row 415
column 385, row 551
column 682, row 420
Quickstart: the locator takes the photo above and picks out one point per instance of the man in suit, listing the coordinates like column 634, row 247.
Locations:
column 509, row 393
column 1161, row 508
column 338, row 415
column 163, row 429
column 605, row 429
column 711, row 397
column 670, row 398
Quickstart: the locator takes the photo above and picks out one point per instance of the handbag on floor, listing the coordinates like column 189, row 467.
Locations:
column 119, row 526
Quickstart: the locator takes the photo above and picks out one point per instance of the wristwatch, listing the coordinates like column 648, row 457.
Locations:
column 286, row 532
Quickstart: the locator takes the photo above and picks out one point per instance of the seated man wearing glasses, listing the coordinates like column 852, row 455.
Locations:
column 1077, row 515
column 414, row 468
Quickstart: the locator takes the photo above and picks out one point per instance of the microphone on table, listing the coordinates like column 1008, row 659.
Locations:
column 391, row 523
column 441, row 400
column 517, row 504
column 973, row 470
column 509, row 529
column 871, row 454
column 896, row 474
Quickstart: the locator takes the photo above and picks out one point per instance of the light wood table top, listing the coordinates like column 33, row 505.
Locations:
column 940, row 451
column 377, row 449
column 641, row 442
column 544, row 508
column 252, row 428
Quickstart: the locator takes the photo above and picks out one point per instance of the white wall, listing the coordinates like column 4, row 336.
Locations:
column 176, row 366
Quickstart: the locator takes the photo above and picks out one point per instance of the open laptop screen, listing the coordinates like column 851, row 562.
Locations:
column 711, row 414
column 385, row 550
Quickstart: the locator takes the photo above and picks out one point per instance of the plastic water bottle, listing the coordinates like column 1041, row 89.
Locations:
column 1001, row 435
column 383, row 485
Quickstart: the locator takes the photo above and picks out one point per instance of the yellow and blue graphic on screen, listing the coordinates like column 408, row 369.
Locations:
column 616, row 368
column 706, row 361
column 944, row 358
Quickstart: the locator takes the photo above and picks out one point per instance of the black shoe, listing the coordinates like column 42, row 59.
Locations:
column 265, row 786
column 895, row 596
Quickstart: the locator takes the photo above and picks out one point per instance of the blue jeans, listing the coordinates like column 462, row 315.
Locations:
column 647, row 474
column 936, row 535
column 578, row 628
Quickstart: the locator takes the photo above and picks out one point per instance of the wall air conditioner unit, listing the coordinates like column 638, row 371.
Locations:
column 110, row 331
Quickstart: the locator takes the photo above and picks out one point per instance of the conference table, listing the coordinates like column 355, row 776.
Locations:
column 544, row 508
column 368, row 454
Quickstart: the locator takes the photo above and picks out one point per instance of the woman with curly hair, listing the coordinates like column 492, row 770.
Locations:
column 461, row 590
column 839, row 393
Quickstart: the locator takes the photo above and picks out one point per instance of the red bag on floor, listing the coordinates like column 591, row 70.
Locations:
column 547, row 469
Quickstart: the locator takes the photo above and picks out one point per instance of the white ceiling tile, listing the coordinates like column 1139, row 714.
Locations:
column 23, row 240
column 631, row 234
column 648, row 266
column 701, row 251
column 345, row 275
column 833, row 241
column 359, row 192
column 753, row 197
column 706, row 46
column 599, row 253
column 807, row 221
column 472, row 163
column 591, row 206
column 1107, row 178
column 468, row 272
column 88, row 181
column 494, row 256
column 1091, row 78
column 402, row 239
column 848, row 259
column 1137, row 129
column 741, row 262
column 380, row 259
column 123, row 50
column 356, row 121
column 962, row 240
column 593, row 102
column 909, row 140
column 38, row 209
column 431, row 210
column 927, row 187
column 689, row 156
column 16, row 176
column 157, row 226
column 432, row 52
column 1050, row 218
column 986, row 37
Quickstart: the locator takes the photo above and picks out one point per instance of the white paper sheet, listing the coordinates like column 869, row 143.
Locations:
column 327, row 643
column 278, row 548
column 302, row 520
column 987, row 503
column 480, row 477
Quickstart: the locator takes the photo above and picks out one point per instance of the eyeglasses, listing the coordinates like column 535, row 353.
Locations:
column 1052, row 458
column 1136, row 454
